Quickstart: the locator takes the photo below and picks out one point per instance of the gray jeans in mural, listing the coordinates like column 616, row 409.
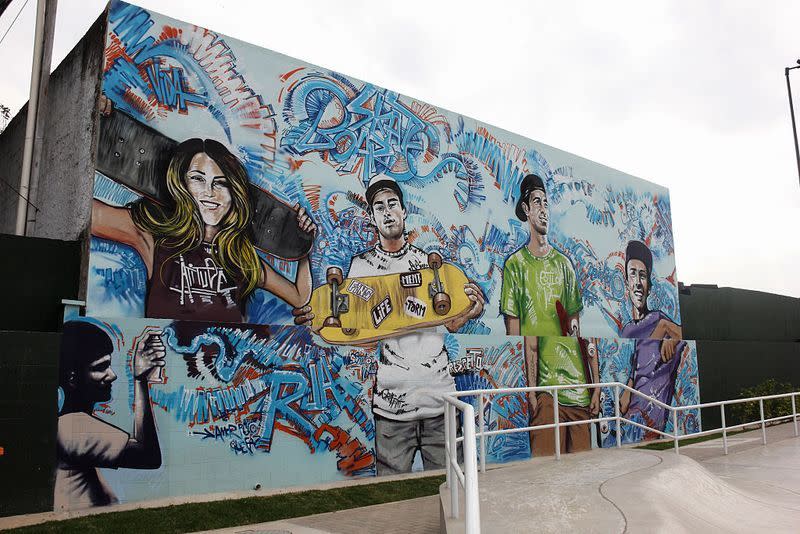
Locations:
column 396, row 442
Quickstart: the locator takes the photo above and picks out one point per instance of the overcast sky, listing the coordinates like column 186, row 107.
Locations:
column 690, row 95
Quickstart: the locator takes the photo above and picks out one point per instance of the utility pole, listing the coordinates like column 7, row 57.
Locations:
column 34, row 128
column 791, row 111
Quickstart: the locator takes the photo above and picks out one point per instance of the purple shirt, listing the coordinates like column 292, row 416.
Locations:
column 650, row 375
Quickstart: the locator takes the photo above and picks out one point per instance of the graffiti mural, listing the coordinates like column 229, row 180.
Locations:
column 290, row 266
column 677, row 385
column 216, row 395
column 293, row 149
column 492, row 362
column 196, row 407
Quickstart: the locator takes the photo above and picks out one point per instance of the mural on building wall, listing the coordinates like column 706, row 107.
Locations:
column 233, row 405
column 293, row 149
column 672, row 381
column 307, row 263
column 151, row 408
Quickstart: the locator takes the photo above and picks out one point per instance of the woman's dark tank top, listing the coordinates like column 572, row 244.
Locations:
column 191, row 286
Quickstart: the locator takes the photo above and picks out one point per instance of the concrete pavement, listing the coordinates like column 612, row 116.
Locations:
column 754, row 488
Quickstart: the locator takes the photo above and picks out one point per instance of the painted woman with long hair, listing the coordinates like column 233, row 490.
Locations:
column 201, row 262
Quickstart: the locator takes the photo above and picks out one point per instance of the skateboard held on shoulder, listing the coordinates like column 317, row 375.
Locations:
column 364, row 309
column 137, row 156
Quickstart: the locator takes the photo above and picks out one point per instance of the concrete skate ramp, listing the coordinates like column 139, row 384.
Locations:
column 682, row 495
column 642, row 491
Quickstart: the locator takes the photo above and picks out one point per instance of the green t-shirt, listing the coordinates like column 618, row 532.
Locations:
column 531, row 287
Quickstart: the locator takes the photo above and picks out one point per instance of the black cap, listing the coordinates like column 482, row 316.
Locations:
column 530, row 183
column 636, row 250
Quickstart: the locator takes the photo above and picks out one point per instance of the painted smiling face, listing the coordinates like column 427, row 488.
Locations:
column 638, row 281
column 209, row 188
column 537, row 210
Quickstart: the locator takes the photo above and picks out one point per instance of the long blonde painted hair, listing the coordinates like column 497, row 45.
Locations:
column 180, row 226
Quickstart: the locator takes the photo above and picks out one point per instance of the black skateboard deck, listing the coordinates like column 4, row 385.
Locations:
column 136, row 156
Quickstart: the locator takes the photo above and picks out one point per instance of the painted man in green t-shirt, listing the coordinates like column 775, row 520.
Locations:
column 538, row 280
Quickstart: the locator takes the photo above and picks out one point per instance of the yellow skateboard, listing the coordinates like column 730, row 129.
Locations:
column 359, row 310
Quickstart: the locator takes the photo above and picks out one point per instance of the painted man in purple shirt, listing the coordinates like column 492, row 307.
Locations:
column 658, row 346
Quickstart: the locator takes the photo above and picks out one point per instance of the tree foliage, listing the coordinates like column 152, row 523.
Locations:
column 5, row 113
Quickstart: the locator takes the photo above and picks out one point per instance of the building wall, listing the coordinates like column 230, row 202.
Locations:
column 41, row 273
column 731, row 314
column 314, row 138
column 746, row 338
column 236, row 390
column 67, row 167
column 237, row 406
column 238, row 403
column 28, row 418
column 11, row 143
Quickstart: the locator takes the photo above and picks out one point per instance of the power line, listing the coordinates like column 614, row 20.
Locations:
column 13, row 21
column 15, row 190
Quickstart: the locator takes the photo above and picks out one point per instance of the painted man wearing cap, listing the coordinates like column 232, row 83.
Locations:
column 540, row 299
column 657, row 352
column 412, row 369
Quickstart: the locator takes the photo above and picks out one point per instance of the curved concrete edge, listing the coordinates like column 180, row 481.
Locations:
column 681, row 495
column 640, row 491
column 545, row 495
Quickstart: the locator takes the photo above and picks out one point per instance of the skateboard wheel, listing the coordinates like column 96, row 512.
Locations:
column 332, row 321
column 334, row 274
column 434, row 260
column 441, row 303
column 350, row 331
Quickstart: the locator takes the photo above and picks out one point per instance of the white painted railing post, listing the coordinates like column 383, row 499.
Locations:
column 448, row 481
column 763, row 424
column 471, row 497
column 724, row 429
column 482, row 430
column 556, row 429
column 453, row 459
column 617, row 415
column 676, row 445
column 794, row 416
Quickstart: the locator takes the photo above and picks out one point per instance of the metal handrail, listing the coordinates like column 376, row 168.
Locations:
column 468, row 478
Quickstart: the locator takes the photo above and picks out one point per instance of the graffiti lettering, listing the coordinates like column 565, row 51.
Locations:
column 381, row 311
column 415, row 307
column 169, row 87
column 367, row 130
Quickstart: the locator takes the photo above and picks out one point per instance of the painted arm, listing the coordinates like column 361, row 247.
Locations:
column 296, row 294
column 589, row 351
column 594, row 368
column 512, row 325
column 666, row 329
column 670, row 335
column 625, row 398
column 531, row 373
column 143, row 450
column 116, row 224
column 475, row 295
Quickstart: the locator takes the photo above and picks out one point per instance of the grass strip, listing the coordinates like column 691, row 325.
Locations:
column 234, row 512
column 664, row 445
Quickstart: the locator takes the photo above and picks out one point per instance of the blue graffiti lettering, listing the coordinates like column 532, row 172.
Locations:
column 169, row 88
